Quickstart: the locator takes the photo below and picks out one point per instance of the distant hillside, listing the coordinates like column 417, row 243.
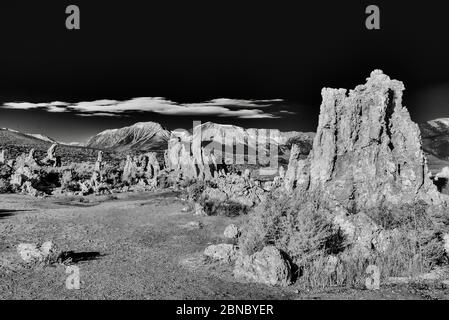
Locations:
column 142, row 136
column 435, row 137
column 16, row 143
column 435, row 141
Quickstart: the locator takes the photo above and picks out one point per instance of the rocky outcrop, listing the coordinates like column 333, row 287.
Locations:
column 142, row 170
column 151, row 165
column 31, row 252
column 99, row 163
column 25, row 169
column 232, row 232
column 297, row 175
column 189, row 160
column 31, row 159
column 96, row 181
column 267, row 266
column 179, row 159
column 367, row 151
column 129, row 171
column 212, row 147
column 51, row 158
column 233, row 189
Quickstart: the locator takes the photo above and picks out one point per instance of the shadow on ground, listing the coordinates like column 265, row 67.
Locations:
column 75, row 257
column 9, row 213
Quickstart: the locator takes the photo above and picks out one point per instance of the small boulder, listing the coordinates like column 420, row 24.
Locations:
column 267, row 266
column 221, row 252
column 29, row 252
column 232, row 231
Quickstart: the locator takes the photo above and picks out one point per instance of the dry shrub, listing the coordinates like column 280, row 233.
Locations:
column 297, row 225
column 82, row 171
column 4, row 186
column 301, row 227
column 195, row 191
column 227, row 208
column 418, row 227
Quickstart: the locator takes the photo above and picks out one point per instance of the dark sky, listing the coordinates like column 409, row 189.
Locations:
column 195, row 51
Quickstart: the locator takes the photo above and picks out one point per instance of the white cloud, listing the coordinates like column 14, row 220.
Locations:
column 100, row 114
column 223, row 107
column 287, row 112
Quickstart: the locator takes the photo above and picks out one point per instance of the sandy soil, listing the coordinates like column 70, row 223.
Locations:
column 136, row 246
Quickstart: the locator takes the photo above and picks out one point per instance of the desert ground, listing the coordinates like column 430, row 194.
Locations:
column 138, row 246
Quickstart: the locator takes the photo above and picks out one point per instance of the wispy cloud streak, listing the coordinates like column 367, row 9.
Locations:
column 223, row 107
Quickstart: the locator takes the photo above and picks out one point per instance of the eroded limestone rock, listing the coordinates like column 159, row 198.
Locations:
column 129, row 171
column 232, row 232
column 267, row 266
column 297, row 175
column 367, row 150
column 51, row 158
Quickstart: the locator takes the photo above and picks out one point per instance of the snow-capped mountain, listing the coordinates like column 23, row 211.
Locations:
column 142, row 136
column 435, row 137
column 42, row 137
column 253, row 140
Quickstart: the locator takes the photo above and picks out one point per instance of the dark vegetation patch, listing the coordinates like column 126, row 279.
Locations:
column 302, row 227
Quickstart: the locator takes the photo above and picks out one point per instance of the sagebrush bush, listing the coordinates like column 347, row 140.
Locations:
column 294, row 224
column 195, row 191
column 4, row 186
column 82, row 170
column 301, row 226
column 227, row 208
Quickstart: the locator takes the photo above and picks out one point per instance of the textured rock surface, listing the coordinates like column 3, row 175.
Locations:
column 233, row 188
column 179, row 157
column 130, row 170
column 232, row 232
column 99, row 162
column 221, row 252
column 297, row 175
column 31, row 252
column 367, row 150
column 151, row 165
column 267, row 266
column 225, row 145
column 51, row 158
